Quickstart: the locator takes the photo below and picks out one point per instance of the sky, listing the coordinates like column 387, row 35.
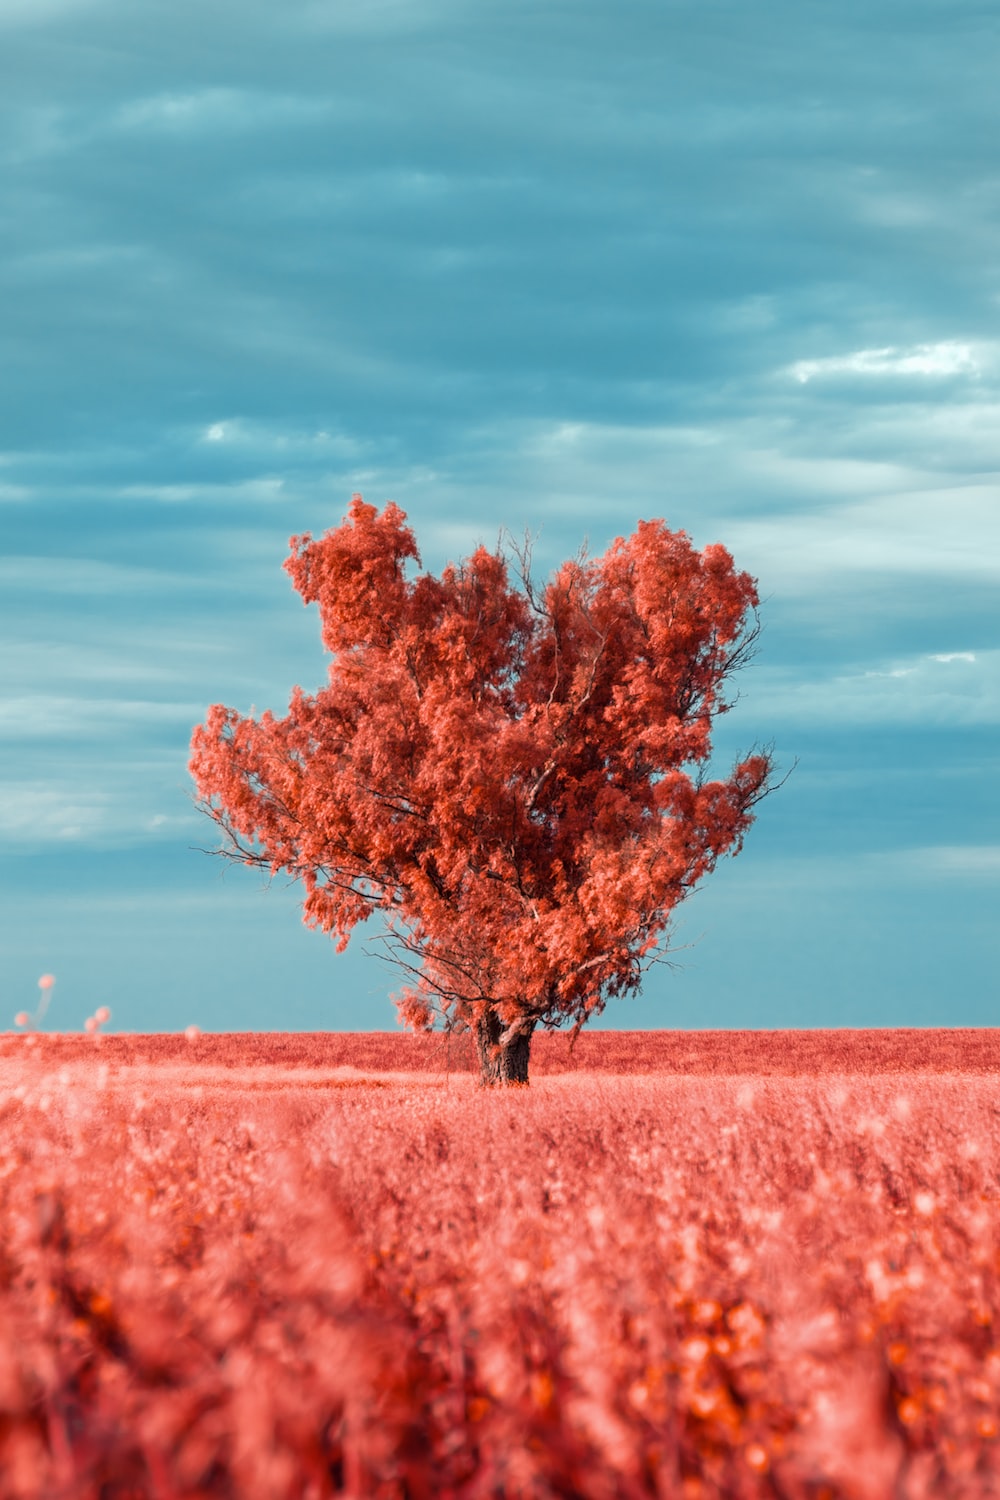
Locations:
column 539, row 266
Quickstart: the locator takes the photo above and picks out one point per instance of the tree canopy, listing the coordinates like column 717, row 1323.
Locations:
column 514, row 776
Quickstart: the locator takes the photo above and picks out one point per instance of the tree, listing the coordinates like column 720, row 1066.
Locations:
column 515, row 778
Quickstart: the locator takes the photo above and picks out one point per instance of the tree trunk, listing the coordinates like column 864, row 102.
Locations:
column 501, row 1064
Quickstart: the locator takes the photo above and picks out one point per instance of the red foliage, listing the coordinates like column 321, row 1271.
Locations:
column 218, row 1281
column 514, row 778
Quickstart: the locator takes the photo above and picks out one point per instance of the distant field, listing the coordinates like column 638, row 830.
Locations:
column 681, row 1264
column 961, row 1049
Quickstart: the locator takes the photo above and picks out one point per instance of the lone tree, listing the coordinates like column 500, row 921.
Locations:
column 514, row 777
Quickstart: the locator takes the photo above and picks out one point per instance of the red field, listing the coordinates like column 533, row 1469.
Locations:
column 679, row 1264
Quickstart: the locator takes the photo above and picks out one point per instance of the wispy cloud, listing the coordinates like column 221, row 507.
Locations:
column 860, row 870
column 47, row 717
column 289, row 441
column 953, row 689
column 930, row 360
column 88, row 576
column 973, row 862
column 35, row 815
column 132, row 802
column 32, row 13
column 214, row 109
column 946, row 533
column 264, row 490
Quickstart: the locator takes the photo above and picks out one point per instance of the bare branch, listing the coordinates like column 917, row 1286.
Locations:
column 394, row 800
column 522, row 552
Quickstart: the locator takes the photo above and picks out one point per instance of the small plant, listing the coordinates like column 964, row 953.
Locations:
column 29, row 1022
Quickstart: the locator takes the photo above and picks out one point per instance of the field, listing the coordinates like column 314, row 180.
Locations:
column 679, row 1264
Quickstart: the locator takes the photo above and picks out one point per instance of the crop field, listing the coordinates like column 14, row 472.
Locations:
column 677, row 1264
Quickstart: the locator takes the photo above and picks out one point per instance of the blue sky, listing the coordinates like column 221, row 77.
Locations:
column 549, row 266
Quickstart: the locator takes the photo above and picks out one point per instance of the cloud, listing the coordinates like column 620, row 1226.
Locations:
column 379, row 18
column 290, row 442
column 215, row 109
column 48, row 717
column 264, row 490
column 979, row 863
column 38, row 13
column 84, row 576
column 52, row 664
column 944, row 690
column 425, row 241
column 944, row 359
column 948, row 533
column 33, row 815
column 853, row 870
column 102, row 802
